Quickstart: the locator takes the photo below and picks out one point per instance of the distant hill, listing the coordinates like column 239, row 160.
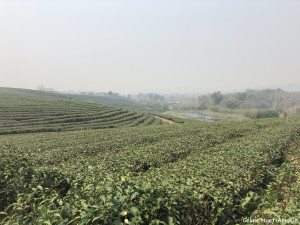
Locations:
column 29, row 111
column 117, row 101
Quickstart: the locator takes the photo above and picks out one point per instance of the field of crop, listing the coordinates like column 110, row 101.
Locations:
column 201, row 173
column 116, row 101
column 27, row 111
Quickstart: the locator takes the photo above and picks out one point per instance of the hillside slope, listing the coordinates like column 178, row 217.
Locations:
column 116, row 101
column 28, row 111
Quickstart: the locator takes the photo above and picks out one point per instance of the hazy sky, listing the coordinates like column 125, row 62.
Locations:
column 162, row 46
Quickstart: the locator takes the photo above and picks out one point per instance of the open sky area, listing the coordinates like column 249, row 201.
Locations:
column 163, row 46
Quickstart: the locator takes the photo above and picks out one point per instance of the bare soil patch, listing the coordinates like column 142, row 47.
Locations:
column 165, row 120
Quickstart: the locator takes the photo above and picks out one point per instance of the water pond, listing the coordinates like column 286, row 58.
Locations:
column 201, row 116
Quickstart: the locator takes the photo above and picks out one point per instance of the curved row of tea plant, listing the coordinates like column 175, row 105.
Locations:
column 26, row 111
column 202, row 173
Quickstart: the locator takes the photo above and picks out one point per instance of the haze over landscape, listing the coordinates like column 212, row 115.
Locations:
column 149, row 112
column 150, row 46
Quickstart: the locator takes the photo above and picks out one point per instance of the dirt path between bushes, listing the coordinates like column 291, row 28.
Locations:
column 165, row 120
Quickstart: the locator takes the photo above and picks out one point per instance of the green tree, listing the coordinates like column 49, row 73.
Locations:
column 203, row 102
column 241, row 96
column 217, row 97
column 232, row 103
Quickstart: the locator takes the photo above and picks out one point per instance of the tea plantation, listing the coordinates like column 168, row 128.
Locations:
column 28, row 111
column 191, row 173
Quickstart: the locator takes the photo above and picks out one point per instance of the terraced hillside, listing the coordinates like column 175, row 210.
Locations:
column 116, row 101
column 28, row 111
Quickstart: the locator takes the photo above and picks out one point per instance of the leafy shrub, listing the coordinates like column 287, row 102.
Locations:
column 259, row 114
